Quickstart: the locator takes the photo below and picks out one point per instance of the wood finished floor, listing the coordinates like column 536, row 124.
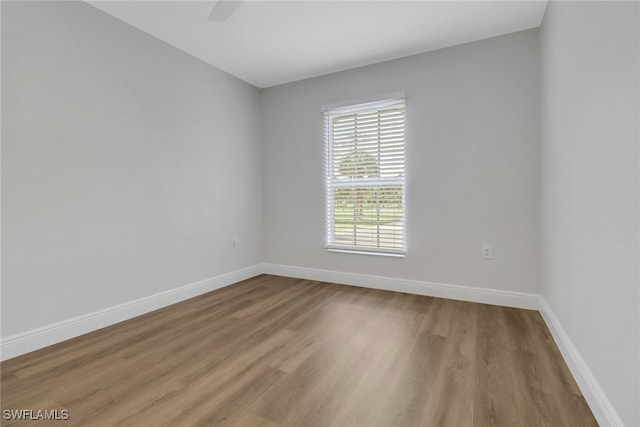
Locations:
column 274, row 351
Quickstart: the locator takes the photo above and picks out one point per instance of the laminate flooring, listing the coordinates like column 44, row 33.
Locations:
column 275, row 351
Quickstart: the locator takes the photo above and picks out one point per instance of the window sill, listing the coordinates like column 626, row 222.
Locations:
column 365, row 252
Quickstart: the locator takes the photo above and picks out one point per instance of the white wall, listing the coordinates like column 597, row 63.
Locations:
column 590, row 187
column 128, row 167
column 473, row 165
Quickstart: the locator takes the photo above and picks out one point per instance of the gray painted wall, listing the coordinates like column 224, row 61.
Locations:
column 590, row 185
column 128, row 166
column 473, row 165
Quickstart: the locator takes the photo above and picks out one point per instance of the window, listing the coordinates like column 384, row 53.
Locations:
column 365, row 179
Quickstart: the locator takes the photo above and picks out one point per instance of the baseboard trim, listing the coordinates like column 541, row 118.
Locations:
column 594, row 395
column 25, row 342
column 597, row 400
column 456, row 292
column 34, row 339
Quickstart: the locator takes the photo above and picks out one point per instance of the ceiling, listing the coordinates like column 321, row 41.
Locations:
column 267, row 43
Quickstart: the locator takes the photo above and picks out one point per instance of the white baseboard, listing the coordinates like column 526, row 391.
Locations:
column 457, row 292
column 594, row 395
column 34, row 339
column 25, row 342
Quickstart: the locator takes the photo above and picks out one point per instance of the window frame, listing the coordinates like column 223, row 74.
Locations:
column 331, row 183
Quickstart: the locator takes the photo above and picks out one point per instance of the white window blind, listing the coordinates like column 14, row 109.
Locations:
column 365, row 177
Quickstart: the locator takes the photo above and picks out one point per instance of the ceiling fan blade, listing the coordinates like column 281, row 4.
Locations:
column 223, row 9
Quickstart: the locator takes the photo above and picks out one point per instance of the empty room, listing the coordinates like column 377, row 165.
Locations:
column 320, row 213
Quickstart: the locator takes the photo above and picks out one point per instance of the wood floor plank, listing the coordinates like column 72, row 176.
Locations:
column 499, row 401
column 274, row 351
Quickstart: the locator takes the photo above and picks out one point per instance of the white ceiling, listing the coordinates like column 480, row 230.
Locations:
column 267, row 43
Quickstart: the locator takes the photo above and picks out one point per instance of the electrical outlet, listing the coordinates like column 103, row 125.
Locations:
column 236, row 244
column 487, row 252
